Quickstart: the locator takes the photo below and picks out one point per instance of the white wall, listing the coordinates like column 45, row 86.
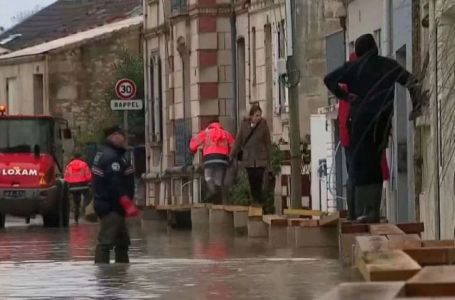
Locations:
column 24, row 85
column 364, row 16
column 321, row 148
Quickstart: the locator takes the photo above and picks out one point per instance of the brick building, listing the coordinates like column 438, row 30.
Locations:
column 213, row 58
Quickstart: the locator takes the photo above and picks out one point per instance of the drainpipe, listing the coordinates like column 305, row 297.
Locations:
column 249, row 57
column 388, row 28
column 146, row 86
column 434, row 115
column 235, row 97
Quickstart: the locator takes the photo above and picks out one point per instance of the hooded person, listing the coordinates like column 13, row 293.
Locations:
column 216, row 145
column 78, row 176
column 344, row 120
column 371, row 81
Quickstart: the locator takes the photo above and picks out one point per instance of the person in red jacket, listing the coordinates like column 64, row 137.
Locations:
column 78, row 176
column 216, row 145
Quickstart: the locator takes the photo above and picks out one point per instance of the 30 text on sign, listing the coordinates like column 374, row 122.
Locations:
column 125, row 89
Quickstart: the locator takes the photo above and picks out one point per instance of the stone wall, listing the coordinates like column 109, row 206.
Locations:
column 315, row 20
column 79, row 78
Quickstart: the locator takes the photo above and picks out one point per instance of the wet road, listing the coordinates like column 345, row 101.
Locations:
column 42, row 263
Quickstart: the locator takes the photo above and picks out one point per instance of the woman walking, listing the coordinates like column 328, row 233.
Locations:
column 252, row 149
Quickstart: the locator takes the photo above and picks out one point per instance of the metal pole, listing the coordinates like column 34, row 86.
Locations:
column 235, row 96
column 125, row 121
column 293, row 75
column 434, row 117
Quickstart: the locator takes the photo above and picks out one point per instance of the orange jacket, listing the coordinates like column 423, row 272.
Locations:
column 77, row 171
column 214, row 139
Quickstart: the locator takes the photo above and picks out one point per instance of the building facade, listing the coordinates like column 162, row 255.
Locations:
column 213, row 59
column 434, row 141
column 68, row 77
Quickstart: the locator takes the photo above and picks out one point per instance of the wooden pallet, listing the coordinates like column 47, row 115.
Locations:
column 432, row 282
column 302, row 212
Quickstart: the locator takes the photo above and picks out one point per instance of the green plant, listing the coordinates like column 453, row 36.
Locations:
column 276, row 158
column 130, row 66
column 239, row 194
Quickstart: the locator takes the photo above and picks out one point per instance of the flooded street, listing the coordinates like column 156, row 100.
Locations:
column 37, row 262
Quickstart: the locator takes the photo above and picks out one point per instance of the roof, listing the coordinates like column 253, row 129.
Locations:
column 3, row 50
column 66, row 17
column 75, row 38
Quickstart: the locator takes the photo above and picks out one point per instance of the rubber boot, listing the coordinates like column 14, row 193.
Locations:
column 102, row 255
column 121, row 255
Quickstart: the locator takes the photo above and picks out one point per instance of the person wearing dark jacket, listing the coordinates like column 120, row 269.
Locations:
column 113, row 178
column 253, row 148
column 371, row 80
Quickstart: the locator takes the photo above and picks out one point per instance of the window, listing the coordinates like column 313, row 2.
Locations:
column 283, row 103
column 156, row 99
column 178, row 6
column 281, row 39
column 182, row 139
column 23, row 135
column 253, row 55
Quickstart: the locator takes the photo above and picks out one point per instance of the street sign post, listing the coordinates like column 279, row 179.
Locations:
column 126, row 90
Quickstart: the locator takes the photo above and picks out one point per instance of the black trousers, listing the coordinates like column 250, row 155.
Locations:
column 256, row 179
column 77, row 199
column 113, row 234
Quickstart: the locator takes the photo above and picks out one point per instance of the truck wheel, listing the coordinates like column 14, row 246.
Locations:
column 2, row 221
column 61, row 215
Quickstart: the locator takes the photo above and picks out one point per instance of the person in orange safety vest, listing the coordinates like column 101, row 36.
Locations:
column 216, row 145
column 78, row 176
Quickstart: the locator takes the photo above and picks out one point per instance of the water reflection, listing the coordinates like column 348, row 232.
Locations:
column 166, row 264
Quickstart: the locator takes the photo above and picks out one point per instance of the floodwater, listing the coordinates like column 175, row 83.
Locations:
column 43, row 263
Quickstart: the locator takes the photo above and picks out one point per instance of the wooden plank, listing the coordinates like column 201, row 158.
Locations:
column 275, row 220
column 354, row 228
column 330, row 220
column 438, row 243
column 309, row 223
column 392, row 265
column 173, row 207
column 404, row 241
column 292, row 222
column 217, row 207
column 365, row 291
column 432, row 282
column 199, row 205
column 254, row 211
column 410, row 228
column 235, row 208
column 431, row 256
column 385, row 229
column 302, row 212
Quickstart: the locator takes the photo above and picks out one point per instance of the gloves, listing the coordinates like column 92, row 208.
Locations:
column 128, row 206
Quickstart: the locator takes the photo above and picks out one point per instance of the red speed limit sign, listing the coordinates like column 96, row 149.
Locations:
column 125, row 89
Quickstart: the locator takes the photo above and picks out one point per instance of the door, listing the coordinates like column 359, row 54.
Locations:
column 11, row 94
column 336, row 56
